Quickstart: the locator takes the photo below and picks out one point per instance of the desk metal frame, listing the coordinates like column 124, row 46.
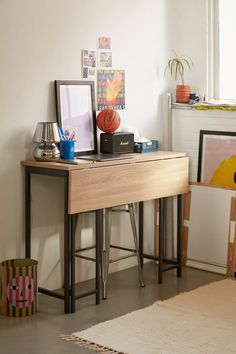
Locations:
column 70, row 222
column 170, row 263
column 72, row 211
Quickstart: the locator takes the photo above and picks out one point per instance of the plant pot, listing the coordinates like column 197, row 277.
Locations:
column 182, row 93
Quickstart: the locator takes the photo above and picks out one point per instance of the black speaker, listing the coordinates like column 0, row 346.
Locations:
column 116, row 143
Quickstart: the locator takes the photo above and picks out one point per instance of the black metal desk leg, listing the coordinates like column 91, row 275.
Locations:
column 179, row 234
column 140, row 227
column 67, row 241
column 161, row 237
column 74, row 220
column 98, row 233
column 27, row 212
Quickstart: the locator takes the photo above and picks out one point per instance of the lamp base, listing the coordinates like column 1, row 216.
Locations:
column 46, row 152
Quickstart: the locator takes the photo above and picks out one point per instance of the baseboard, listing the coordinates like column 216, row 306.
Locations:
column 207, row 267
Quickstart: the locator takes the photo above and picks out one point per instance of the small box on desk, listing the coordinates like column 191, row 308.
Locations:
column 147, row 146
column 116, row 143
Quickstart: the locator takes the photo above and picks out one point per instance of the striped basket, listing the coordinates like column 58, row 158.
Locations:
column 18, row 287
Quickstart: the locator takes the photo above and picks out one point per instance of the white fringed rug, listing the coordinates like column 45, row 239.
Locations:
column 202, row 321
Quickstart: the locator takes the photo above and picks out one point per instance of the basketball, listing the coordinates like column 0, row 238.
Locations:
column 108, row 120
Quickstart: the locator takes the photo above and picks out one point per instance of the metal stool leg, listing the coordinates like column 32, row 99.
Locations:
column 161, row 238
column 106, row 249
column 179, row 234
column 133, row 225
column 98, row 257
column 74, row 221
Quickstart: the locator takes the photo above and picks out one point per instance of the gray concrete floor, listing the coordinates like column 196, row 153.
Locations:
column 39, row 334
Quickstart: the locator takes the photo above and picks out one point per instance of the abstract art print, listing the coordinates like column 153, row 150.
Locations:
column 110, row 89
column 217, row 158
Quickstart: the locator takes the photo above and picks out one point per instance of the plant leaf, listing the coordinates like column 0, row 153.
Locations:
column 186, row 61
column 176, row 66
column 181, row 71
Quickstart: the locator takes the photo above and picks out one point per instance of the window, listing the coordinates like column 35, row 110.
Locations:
column 227, row 52
column 221, row 49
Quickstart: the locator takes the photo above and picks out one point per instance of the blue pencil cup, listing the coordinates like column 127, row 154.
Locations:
column 67, row 149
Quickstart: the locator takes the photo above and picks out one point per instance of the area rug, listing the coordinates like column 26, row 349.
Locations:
column 202, row 321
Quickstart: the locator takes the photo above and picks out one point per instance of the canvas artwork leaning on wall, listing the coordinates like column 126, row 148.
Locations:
column 209, row 238
column 217, row 158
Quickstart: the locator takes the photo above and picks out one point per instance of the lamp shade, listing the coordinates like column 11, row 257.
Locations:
column 47, row 132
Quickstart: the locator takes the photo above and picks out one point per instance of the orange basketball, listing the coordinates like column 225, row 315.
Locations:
column 108, row 120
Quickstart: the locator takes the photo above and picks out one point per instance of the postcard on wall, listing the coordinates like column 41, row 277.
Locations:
column 92, row 73
column 85, row 72
column 104, row 43
column 88, row 72
column 89, row 58
column 105, row 59
column 110, row 89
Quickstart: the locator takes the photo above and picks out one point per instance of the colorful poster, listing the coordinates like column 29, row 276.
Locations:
column 110, row 89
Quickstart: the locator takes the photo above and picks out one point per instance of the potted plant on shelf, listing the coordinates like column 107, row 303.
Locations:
column 176, row 67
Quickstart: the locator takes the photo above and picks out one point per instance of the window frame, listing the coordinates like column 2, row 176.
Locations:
column 213, row 53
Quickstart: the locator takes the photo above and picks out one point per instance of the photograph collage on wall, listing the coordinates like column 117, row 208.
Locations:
column 110, row 82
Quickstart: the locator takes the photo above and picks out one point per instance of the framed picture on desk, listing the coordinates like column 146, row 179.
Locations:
column 76, row 114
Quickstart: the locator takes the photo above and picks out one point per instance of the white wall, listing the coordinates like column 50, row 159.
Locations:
column 41, row 41
column 187, row 35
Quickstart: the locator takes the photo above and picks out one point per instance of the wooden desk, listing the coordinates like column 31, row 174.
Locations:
column 97, row 185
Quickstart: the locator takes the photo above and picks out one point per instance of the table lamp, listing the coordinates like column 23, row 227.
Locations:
column 46, row 136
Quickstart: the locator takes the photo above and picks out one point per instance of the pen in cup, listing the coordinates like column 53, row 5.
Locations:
column 72, row 135
column 66, row 134
column 62, row 134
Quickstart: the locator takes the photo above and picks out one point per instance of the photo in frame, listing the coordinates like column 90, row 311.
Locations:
column 217, row 158
column 76, row 114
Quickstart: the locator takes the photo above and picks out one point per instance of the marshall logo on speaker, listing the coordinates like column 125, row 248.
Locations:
column 117, row 143
column 124, row 142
